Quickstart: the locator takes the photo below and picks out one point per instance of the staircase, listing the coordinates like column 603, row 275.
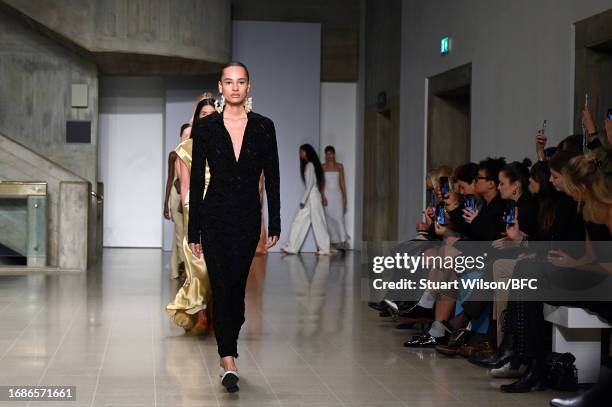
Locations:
column 44, row 209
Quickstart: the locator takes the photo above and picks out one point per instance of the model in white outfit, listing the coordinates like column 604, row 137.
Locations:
column 335, row 194
column 334, row 211
column 311, row 213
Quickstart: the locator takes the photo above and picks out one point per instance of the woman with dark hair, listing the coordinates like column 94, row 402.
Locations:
column 237, row 144
column 335, row 192
column 514, row 186
column 311, row 206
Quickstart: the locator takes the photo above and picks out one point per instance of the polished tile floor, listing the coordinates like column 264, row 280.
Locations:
column 309, row 340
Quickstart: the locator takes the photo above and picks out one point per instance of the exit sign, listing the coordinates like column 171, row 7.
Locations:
column 445, row 45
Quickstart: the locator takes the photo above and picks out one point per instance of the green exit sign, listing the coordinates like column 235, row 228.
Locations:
column 445, row 44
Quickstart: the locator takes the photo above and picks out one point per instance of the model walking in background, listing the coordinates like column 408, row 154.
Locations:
column 190, row 307
column 311, row 206
column 173, row 208
column 335, row 193
column 237, row 144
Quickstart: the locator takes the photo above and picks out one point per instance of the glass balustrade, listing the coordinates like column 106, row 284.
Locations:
column 23, row 223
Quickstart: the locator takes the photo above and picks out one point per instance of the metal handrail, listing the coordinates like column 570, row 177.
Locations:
column 97, row 196
column 22, row 188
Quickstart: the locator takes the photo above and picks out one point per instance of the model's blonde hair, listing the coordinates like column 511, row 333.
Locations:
column 586, row 182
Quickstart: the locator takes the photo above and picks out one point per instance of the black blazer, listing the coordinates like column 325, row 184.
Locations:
column 232, row 205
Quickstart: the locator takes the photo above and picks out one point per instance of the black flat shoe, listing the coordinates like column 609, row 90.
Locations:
column 384, row 314
column 378, row 306
column 499, row 358
column 598, row 395
column 404, row 305
column 423, row 341
column 416, row 313
column 230, row 381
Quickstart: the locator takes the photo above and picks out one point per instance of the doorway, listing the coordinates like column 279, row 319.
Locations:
column 448, row 117
column 593, row 68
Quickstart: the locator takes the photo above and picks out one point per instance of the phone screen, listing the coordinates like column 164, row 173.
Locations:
column 510, row 206
column 441, row 214
column 470, row 202
column 444, row 186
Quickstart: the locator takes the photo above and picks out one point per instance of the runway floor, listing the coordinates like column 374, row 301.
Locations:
column 310, row 340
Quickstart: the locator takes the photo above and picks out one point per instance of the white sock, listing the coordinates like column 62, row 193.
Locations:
column 428, row 299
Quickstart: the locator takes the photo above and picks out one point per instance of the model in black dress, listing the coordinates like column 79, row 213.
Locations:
column 227, row 221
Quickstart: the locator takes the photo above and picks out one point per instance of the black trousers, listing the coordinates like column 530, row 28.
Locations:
column 228, row 260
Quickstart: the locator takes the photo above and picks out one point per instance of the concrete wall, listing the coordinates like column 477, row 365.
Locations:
column 339, row 29
column 35, row 96
column 339, row 129
column 383, row 21
column 192, row 29
column 522, row 73
column 286, row 86
column 131, row 160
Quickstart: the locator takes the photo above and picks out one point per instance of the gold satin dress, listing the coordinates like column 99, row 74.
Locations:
column 196, row 293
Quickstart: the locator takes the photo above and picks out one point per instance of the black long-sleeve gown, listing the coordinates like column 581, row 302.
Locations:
column 228, row 220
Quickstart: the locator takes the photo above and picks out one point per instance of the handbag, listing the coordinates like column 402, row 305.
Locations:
column 561, row 373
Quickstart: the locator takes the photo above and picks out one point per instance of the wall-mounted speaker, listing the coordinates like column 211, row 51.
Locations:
column 78, row 131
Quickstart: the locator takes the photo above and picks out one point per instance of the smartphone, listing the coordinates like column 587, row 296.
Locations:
column 510, row 212
column 609, row 114
column 444, row 186
column 470, row 202
column 441, row 214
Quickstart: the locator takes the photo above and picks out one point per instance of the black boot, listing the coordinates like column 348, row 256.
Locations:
column 531, row 380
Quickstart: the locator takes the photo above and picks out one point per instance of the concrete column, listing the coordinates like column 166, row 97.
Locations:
column 73, row 217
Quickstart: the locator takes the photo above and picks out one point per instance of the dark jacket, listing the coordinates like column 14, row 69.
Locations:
column 488, row 225
column 232, row 204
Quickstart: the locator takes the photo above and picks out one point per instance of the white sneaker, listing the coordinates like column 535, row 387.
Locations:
column 506, row 372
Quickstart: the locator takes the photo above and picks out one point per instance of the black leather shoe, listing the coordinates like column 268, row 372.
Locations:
column 404, row 305
column 378, row 306
column 421, row 341
column 531, row 380
column 499, row 358
column 596, row 396
column 384, row 314
column 416, row 314
column 459, row 338
column 581, row 400
column 503, row 354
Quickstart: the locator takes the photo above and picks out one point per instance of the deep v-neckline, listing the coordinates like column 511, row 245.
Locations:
column 231, row 142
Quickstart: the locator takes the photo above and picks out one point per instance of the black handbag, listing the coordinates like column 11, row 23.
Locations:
column 561, row 373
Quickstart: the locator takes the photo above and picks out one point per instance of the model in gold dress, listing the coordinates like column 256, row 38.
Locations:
column 188, row 309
